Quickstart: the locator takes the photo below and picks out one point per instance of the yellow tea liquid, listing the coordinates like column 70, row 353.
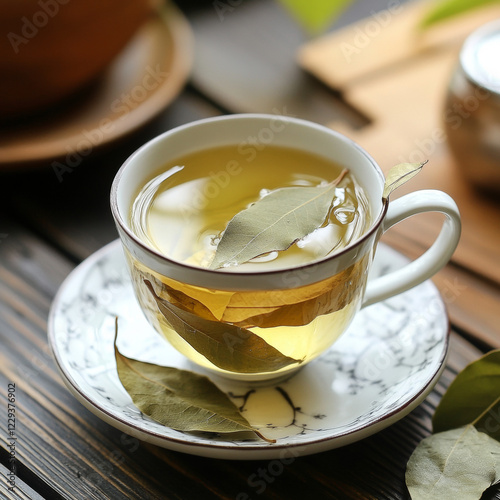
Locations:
column 182, row 211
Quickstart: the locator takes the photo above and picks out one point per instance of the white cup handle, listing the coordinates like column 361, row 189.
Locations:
column 433, row 259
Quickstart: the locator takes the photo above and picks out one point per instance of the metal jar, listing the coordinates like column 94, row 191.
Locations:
column 472, row 112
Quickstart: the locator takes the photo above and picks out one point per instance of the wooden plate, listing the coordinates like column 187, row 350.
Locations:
column 146, row 77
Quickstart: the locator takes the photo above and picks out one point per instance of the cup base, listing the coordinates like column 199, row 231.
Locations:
column 258, row 380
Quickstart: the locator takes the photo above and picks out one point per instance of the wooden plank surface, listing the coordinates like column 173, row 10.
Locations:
column 19, row 491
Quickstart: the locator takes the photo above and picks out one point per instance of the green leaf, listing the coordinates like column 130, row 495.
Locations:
column 315, row 15
column 451, row 8
column 274, row 223
column 496, row 457
column 179, row 399
column 473, row 397
column 399, row 175
column 451, row 465
column 226, row 346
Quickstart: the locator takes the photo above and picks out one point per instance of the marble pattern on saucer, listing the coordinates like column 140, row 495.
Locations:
column 376, row 373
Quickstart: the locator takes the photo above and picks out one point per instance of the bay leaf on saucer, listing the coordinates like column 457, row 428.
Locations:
column 180, row 399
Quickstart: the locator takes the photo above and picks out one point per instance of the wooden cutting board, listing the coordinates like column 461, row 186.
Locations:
column 397, row 76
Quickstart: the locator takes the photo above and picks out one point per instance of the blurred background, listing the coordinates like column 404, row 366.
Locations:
column 83, row 86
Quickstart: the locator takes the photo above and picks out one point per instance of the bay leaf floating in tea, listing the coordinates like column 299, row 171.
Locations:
column 274, row 223
column 184, row 216
column 399, row 175
column 227, row 346
column 179, row 399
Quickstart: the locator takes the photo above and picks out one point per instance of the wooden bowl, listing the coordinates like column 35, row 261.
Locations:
column 51, row 48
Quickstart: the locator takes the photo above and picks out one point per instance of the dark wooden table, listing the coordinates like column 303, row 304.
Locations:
column 48, row 227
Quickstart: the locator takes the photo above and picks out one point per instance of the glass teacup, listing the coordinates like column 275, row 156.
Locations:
column 259, row 323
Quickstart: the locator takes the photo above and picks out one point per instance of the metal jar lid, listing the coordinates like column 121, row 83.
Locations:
column 480, row 57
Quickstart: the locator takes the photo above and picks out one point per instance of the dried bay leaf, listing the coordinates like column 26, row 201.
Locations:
column 270, row 308
column 201, row 301
column 495, row 451
column 298, row 306
column 400, row 174
column 473, row 397
column 184, row 301
column 274, row 223
column 179, row 399
column 456, row 464
column 226, row 346
column 468, row 417
column 205, row 302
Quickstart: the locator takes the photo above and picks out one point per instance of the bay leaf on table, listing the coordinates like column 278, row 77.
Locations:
column 179, row 399
column 274, row 223
column 226, row 346
column 473, row 397
column 495, row 451
column 456, row 464
column 399, row 175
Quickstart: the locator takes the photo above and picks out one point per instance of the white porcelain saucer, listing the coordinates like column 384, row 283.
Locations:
column 380, row 369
